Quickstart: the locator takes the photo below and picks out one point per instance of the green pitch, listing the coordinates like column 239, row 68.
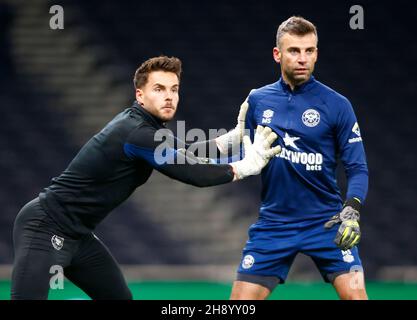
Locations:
column 196, row 290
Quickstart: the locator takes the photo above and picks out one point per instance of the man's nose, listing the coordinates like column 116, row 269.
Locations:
column 302, row 58
column 169, row 95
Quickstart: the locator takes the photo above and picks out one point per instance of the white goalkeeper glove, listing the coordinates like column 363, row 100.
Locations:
column 232, row 139
column 257, row 154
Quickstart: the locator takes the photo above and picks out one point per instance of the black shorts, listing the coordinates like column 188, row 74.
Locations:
column 42, row 250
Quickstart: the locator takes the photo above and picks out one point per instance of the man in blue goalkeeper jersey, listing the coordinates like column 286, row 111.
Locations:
column 302, row 210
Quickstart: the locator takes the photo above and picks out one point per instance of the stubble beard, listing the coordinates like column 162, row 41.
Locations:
column 297, row 80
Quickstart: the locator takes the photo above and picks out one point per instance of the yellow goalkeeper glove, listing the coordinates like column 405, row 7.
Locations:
column 349, row 233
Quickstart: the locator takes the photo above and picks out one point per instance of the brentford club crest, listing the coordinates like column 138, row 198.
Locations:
column 248, row 261
column 311, row 118
column 57, row 242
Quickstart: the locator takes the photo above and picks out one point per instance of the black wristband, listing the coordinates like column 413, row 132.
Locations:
column 354, row 203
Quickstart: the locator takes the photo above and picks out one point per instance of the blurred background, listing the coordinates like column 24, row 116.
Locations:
column 59, row 87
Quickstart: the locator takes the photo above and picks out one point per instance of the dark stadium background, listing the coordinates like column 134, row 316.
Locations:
column 59, row 87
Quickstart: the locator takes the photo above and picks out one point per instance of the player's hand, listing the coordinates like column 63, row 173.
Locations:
column 232, row 139
column 257, row 154
column 349, row 233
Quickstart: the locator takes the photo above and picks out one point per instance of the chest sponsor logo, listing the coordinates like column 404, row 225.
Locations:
column 312, row 161
column 311, row 118
column 267, row 116
column 290, row 141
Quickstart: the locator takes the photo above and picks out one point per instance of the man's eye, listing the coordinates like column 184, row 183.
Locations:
column 175, row 90
column 157, row 89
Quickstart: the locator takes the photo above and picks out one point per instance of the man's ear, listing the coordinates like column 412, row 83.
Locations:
column 276, row 54
column 139, row 95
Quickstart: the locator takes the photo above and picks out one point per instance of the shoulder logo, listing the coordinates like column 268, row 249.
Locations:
column 311, row 118
column 57, row 242
column 356, row 130
column 267, row 115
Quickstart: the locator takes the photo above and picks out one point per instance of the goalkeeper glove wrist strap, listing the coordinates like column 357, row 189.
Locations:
column 354, row 203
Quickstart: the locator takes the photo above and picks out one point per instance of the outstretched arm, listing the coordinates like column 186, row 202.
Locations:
column 181, row 165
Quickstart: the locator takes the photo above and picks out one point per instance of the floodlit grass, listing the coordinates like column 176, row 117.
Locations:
column 203, row 290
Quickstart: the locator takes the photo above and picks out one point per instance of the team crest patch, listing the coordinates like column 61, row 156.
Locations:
column 347, row 256
column 57, row 242
column 311, row 118
column 248, row 261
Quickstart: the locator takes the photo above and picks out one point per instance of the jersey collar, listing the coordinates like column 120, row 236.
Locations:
column 306, row 86
column 140, row 109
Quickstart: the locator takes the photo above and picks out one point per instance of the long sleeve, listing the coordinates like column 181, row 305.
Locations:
column 352, row 152
column 176, row 163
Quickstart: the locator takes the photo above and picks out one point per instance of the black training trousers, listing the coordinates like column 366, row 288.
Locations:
column 42, row 250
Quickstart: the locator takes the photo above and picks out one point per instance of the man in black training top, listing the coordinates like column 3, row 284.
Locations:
column 56, row 228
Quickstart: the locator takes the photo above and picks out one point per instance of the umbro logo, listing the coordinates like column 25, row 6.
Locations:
column 267, row 116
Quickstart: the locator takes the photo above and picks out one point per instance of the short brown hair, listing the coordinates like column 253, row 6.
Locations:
column 295, row 25
column 161, row 63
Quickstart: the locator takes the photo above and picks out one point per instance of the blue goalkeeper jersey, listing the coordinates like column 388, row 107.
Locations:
column 316, row 127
